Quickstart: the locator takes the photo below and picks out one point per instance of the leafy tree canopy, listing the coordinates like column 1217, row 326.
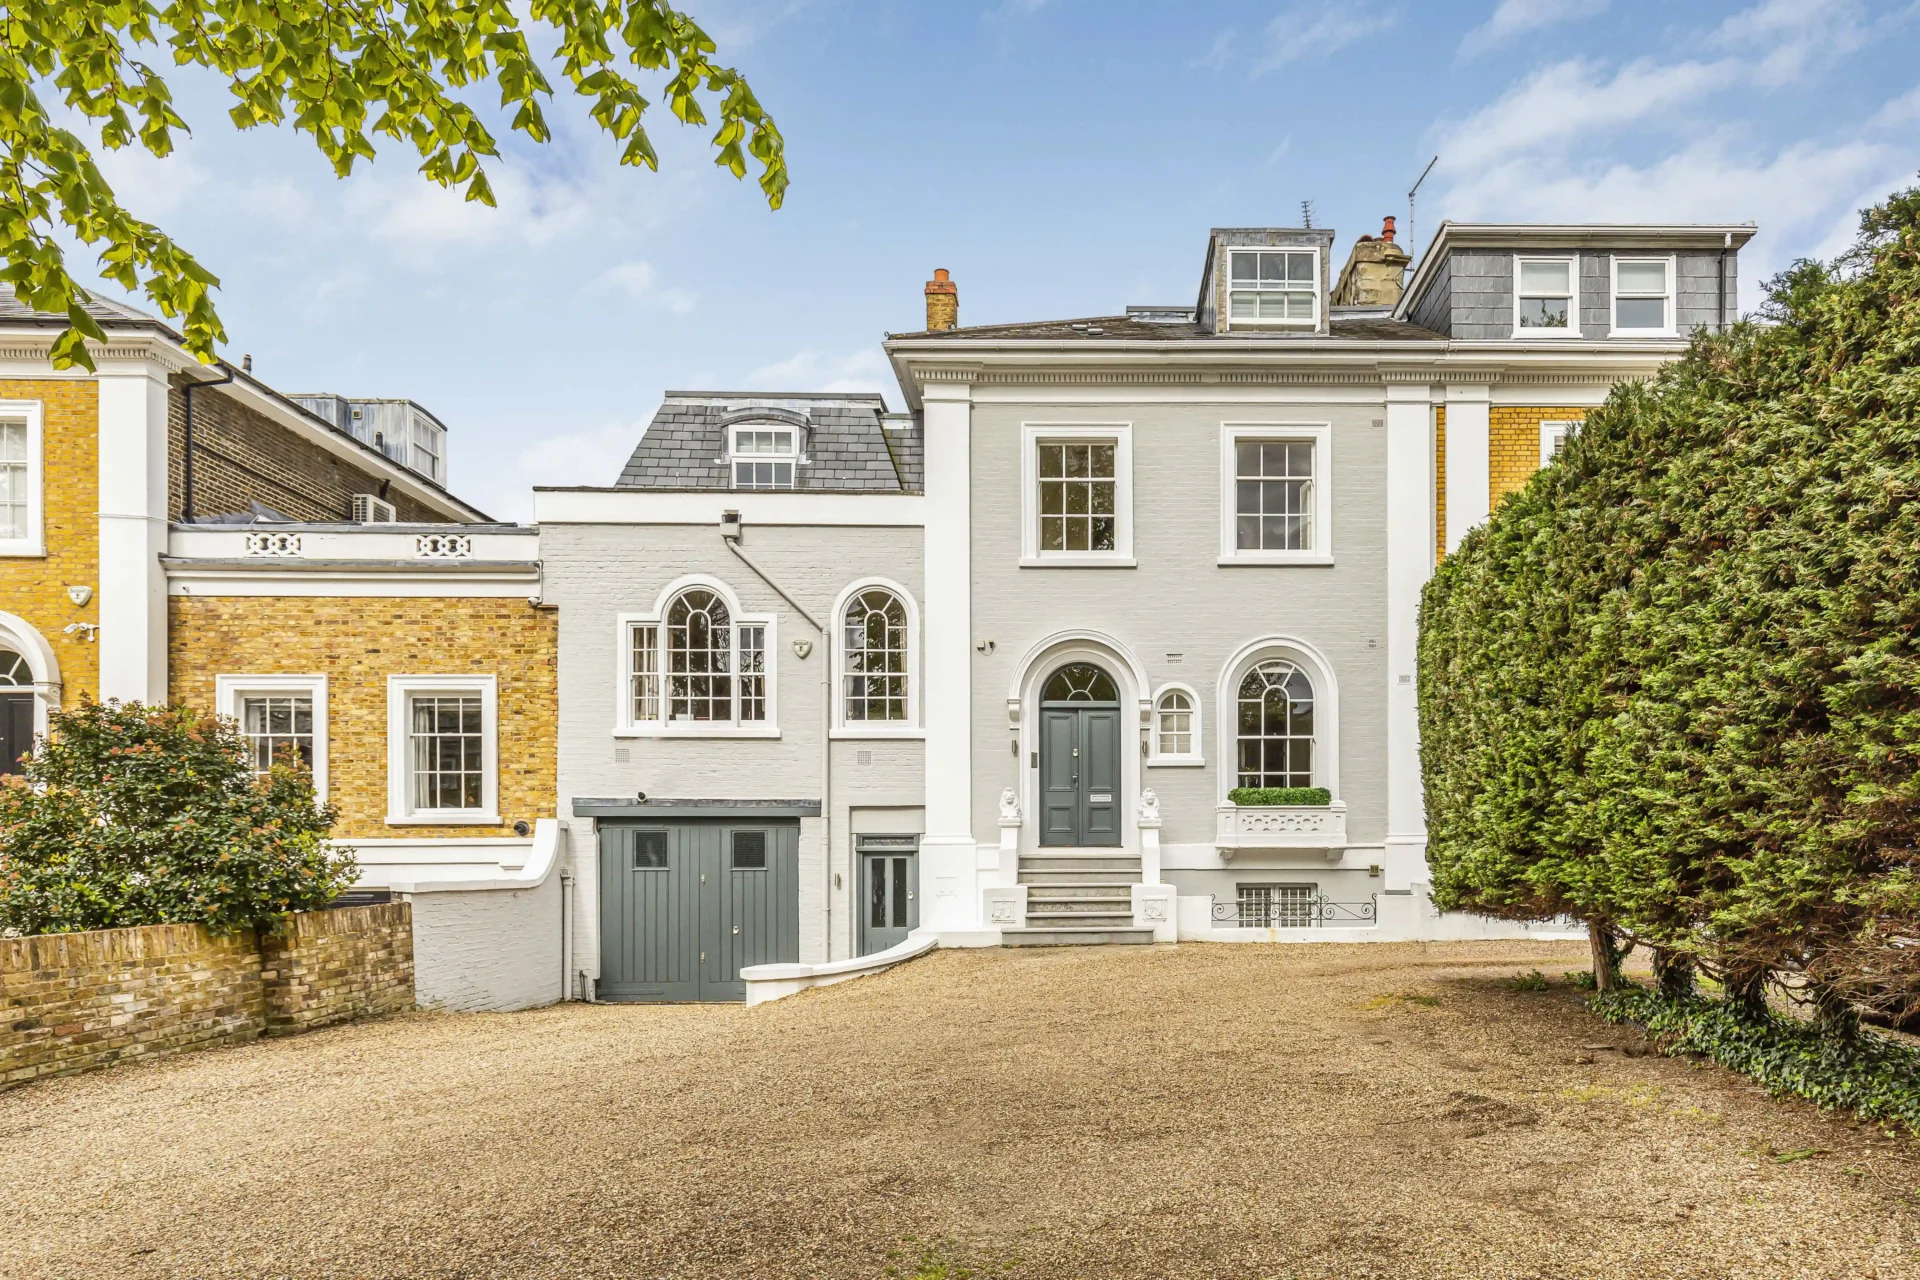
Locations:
column 131, row 815
column 339, row 71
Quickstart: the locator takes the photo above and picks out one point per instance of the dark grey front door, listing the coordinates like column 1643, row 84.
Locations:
column 889, row 903
column 16, row 729
column 1080, row 736
column 683, row 908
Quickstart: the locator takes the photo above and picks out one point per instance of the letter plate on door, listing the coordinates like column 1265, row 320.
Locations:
column 1099, row 799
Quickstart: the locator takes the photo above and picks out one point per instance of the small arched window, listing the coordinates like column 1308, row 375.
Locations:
column 1275, row 729
column 874, row 634
column 1175, row 723
column 14, row 671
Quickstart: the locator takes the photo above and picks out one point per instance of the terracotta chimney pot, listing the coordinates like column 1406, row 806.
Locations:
column 1386, row 231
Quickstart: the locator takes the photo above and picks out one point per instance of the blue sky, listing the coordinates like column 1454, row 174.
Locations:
column 1060, row 157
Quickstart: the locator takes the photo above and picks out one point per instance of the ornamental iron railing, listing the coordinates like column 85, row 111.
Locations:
column 1286, row 907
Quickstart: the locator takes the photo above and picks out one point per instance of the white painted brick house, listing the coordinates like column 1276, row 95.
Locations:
column 834, row 679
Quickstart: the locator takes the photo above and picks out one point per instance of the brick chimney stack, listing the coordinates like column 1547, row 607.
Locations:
column 943, row 302
column 1375, row 272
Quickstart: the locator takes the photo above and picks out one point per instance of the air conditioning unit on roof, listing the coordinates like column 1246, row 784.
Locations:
column 368, row 509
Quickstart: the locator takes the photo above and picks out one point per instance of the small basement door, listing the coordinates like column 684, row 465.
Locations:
column 889, row 890
column 685, row 907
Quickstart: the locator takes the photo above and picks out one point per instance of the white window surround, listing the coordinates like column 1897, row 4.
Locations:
column 1553, row 434
column 400, row 692
column 1326, row 709
column 908, row 728
column 773, row 444
column 1192, row 759
column 1293, row 322
column 228, row 690
column 1032, row 436
column 1321, row 434
column 1573, row 296
column 29, row 414
column 625, row 726
column 1672, row 328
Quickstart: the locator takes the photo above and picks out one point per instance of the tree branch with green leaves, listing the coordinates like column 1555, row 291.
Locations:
column 340, row 71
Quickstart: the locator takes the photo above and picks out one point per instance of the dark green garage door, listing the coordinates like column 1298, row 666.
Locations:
column 685, row 906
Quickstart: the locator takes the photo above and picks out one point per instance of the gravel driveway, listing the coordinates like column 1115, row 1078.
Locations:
column 1205, row 1111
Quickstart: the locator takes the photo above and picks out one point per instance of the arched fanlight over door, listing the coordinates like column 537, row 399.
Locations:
column 1080, row 682
column 14, row 671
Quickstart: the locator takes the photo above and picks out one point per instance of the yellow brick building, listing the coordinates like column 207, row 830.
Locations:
column 171, row 532
column 1520, row 440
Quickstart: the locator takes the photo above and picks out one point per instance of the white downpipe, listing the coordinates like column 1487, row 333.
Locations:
column 730, row 526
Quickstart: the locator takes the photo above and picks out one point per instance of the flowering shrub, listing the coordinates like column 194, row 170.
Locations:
column 131, row 815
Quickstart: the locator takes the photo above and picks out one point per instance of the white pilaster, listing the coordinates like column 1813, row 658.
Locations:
column 949, row 855
column 1410, row 556
column 133, row 533
column 1469, row 459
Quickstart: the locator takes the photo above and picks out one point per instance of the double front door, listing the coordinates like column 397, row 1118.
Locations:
column 889, row 890
column 1080, row 774
column 685, row 906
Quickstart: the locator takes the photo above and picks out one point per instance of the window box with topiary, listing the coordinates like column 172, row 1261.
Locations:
column 1281, row 818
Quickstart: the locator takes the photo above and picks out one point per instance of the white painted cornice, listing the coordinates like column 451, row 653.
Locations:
column 696, row 507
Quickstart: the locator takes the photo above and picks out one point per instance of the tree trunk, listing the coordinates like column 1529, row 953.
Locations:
column 1606, row 957
column 1747, row 991
column 1673, row 973
column 1834, row 1014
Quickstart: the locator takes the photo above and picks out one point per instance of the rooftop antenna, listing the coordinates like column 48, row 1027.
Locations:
column 1306, row 214
column 1413, row 239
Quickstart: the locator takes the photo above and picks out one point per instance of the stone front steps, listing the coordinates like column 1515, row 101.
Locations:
column 1078, row 897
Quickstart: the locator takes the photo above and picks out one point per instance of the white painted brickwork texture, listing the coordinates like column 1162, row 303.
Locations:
column 477, row 950
column 1179, row 599
column 596, row 572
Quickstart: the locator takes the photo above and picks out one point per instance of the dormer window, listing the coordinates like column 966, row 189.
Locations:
column 1546, row 304
column 1643, row 297
column 764, row 457
column 1273, row 286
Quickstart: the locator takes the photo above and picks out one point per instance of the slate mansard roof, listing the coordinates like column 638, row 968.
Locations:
column 849, row 442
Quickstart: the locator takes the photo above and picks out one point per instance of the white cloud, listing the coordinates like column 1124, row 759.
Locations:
column 1559, row 103
column 641, row 282
column 1902, row 111
column 1517, row 17
column 864, row 370
column 593, row 456
column 1215, row 58
column 422, row 218
column 1791, row 35
column 148, row 186
column 1548, row 148
column 1316, row 28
